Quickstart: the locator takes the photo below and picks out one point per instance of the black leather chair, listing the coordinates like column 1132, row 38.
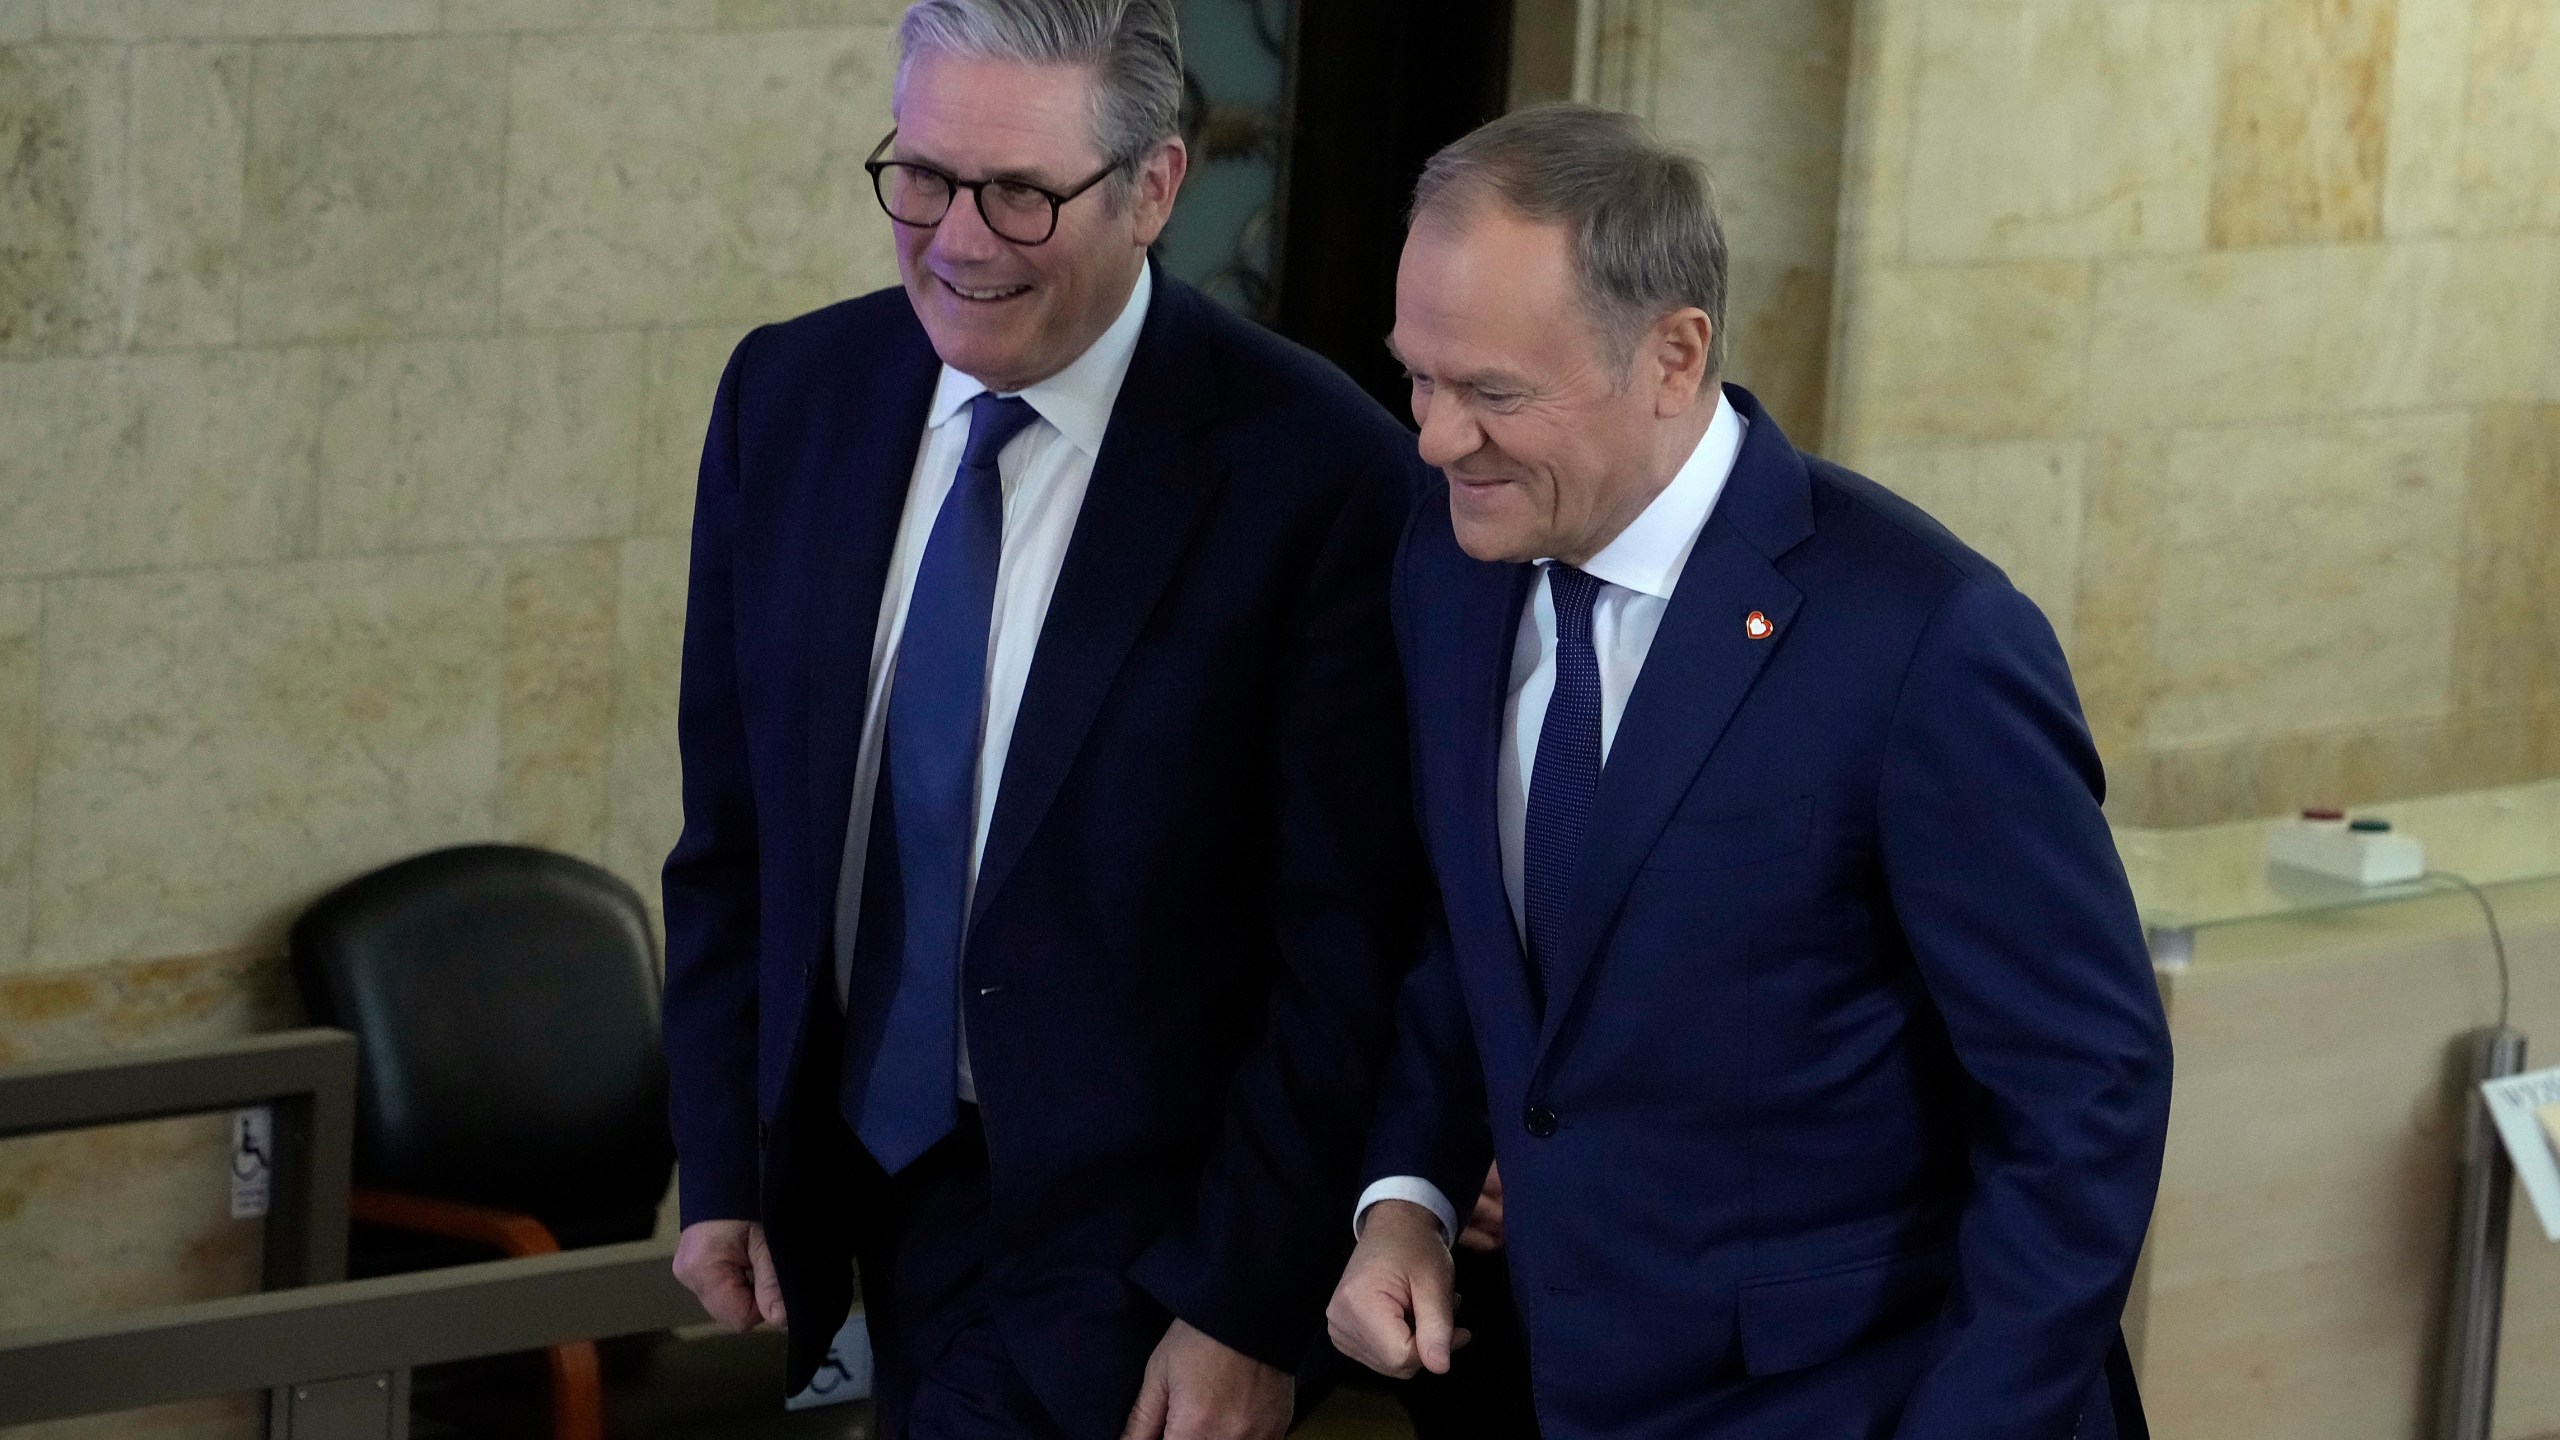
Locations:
column 511, row 1097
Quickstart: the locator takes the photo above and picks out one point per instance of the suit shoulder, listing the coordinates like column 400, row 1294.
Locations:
column 1891, row 540
column 1274, row 386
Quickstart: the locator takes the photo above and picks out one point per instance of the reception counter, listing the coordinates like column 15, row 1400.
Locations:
column 2294, row 1286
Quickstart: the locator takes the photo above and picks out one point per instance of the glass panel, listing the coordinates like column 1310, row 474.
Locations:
column 2209, row 874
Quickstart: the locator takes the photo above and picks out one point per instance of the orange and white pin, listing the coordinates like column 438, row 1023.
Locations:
column 1757, row 626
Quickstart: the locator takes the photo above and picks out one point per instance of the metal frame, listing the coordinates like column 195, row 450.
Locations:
column 307, row 1077
column 361, row 1330
column 334, row 1356
column 2467, row 1388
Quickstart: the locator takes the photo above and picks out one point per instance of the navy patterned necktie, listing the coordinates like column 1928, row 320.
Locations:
column 1564, row 778
column 903, row 1095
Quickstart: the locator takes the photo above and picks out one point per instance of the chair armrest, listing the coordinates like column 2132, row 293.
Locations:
column 508, row 1232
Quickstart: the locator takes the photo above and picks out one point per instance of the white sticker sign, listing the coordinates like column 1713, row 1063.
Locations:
column 253, row 1135
column 2527, row 1111
column 846, row 1375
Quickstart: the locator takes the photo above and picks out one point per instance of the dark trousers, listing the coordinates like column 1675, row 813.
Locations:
column 942, row 1369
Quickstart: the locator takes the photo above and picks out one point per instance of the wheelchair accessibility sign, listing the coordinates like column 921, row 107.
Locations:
column 846, row 1374
column 253, row 1166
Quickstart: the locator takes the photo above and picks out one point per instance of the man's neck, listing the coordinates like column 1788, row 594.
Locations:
column 1674, row 441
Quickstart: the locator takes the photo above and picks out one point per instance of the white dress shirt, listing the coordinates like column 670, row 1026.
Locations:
column 1045, row 470
column 1638, row 571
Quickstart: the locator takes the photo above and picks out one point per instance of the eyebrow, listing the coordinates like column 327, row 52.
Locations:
column 1480, row 380
column 903, row 156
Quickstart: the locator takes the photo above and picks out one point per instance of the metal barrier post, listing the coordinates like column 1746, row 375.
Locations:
column 2469, row 1384
column 319, row 1336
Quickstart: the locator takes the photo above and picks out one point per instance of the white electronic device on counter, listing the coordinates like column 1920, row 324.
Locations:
column 2362, row 851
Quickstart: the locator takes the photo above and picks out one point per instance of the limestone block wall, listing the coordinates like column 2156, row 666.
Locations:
column 354, row 356
column 2231, row 328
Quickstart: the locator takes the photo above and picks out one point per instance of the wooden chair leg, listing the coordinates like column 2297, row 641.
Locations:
column 577, row 1392
column 577, row 1379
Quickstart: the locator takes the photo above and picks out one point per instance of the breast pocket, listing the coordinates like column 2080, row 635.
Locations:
column 1725, row 841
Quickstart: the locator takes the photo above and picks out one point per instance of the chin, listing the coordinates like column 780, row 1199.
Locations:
column 1485, row 532
column 1489, row 542
column 981, row 345
column 979, row 350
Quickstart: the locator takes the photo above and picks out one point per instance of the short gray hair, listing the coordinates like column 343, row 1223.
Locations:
column 1133, row 47
column 1646, row 239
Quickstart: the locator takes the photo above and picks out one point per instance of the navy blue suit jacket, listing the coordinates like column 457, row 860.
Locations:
column 1201, row 884
column 1845, row 1116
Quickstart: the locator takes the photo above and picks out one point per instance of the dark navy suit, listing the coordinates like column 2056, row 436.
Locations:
column 1199, row 889
column 1845, row 1111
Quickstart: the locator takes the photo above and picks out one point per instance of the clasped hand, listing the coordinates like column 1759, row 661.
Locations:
column 1198, row 1389
column 1396, row 1308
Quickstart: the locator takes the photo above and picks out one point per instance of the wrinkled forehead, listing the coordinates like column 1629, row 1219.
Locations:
column 980, row 116
column 1487, row 295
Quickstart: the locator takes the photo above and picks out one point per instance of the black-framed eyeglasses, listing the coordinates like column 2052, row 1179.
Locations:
column 1015, row 210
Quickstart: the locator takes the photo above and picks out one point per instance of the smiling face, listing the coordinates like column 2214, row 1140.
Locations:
column 1552, row 444
column 1011, row 315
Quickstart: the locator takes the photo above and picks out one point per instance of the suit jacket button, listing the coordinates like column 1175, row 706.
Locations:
column 1540, row 1120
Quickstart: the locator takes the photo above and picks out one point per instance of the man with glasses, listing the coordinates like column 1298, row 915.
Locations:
column 1047, row 868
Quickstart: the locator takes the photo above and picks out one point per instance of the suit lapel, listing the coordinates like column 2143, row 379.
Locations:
column 1703, row 663
column 861, row 447
column 1478, row 684
column 1149, row 487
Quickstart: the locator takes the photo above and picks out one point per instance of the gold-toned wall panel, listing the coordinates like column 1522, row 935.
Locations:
column 660, row 180
column 2285, row 272
column 373, row 185
column 2305, row 115
column 2061, row 131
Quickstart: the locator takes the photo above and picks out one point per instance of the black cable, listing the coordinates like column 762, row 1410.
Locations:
column 2497, row 942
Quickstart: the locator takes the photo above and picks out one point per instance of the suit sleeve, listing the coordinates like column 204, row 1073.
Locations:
column 1430, row 1123
column 2004, row 878
column 1255, row 1263
column 1431, row 1108
column 710, row 879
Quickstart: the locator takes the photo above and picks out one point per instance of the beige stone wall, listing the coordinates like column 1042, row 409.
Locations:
column 1756, row 88
column 2232, row 328
column 353, row 361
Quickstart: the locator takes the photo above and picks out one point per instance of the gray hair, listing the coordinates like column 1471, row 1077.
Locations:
column 1646, row 239
column 1133, row 47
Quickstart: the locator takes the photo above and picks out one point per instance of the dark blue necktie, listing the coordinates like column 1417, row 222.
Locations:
column 902, row 1097
column 1564, row 778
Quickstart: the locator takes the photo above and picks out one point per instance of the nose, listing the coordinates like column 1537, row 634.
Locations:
column 1449, row 434
column 963, row 236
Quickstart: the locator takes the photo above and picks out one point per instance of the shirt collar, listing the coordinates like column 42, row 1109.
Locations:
column 1078, row 399
column 1649, row 554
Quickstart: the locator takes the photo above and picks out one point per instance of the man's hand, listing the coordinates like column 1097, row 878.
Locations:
column 1395, row 1310
column 1198, row 1389
column 726, row 1266
column 1484, row 1223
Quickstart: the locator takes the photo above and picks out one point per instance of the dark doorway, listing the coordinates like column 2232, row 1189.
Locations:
column 1379, row 85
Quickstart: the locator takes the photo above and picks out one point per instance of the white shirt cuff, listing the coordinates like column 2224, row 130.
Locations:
column 1412, row 1188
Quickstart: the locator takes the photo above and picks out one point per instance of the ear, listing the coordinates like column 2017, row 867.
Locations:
column 1159, row 179
column 1679, row 345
